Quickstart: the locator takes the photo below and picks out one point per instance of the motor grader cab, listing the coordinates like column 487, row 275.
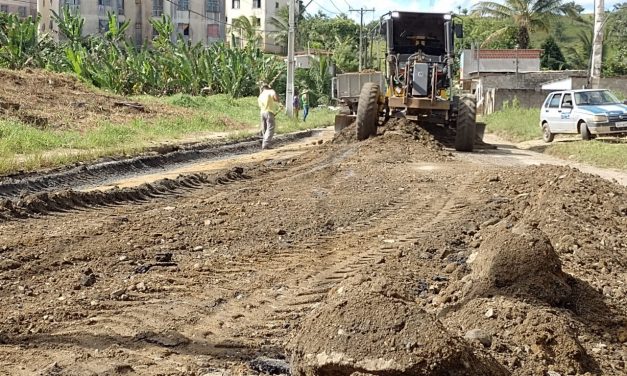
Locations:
column 419, row 72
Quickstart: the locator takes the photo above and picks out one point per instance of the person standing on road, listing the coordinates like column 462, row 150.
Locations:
column 304, row 100
column 268, row 105
column 296, row 104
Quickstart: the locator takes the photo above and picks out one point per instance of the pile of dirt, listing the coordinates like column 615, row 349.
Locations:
column 401, row 134
column 518, row 262
column 60, row 101
column 365, row 328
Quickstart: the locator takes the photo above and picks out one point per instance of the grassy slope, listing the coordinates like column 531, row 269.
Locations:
column 23, row 147
column 570, row 30
column 519, row 125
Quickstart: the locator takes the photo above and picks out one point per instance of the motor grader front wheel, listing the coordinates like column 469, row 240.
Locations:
column 367, row 111
column 466, row 126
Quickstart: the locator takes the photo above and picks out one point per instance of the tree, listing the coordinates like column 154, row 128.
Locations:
column 281, row 23
column 523, row 15
column 246, row 29
column 552, row 57
column 615, row 55
column 578, row 55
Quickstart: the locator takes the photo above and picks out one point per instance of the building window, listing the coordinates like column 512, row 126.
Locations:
column 183, row 5
column 256, row 3
column 50, row 25
column 235, row 4
column 213, row 31
column 103, row 26
column 4, row 8
column 256, row 21
column 121, row 7
column 276, row 5
column 183, row 28
column 104, row 3
column 213, row 6
column 157, row 8
column 21, row 11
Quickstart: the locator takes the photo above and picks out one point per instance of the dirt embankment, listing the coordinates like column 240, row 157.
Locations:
column 48, row 100
column 383, row 257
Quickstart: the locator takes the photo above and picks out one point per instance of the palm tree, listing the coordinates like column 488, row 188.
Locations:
column 525, row 15
column 246, row 29
column 579, row 54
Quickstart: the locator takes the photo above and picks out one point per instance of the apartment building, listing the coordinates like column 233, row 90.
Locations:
column 194, row 20
column 261, row 12
column 23, row 8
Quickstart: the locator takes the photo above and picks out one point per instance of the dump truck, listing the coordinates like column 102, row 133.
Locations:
column 346, row 88
column 418, row 77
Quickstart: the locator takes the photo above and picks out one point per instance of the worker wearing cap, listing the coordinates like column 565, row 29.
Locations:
column 304, row 101
column 268, row 105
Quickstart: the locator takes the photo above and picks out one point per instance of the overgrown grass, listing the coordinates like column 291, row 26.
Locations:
column 24, row 148
column 602, row 153
column 515, row 124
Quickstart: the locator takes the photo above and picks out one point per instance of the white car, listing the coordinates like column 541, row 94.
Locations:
column 585, row 112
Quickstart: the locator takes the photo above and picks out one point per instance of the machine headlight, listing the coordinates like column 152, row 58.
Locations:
column 599, row 118
column 395, row 14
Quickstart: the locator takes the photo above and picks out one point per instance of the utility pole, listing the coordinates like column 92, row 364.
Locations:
column 289, row 92
column 597, row 44
column 361, row 28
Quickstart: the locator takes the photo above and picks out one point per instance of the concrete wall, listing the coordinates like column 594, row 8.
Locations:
column 24, row 8
column 527, row 98
column 473, row 61
column 616, row 84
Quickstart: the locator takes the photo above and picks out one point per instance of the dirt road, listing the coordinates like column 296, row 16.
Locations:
column 389, row 256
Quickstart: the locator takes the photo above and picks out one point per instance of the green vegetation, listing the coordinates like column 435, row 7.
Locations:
column 23, row 147
column 113, row 62
column 603, row 153
column 515, row 124
column 523, row 16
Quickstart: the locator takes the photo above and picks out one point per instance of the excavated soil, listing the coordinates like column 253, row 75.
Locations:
column 49, row 100
column 390, row 256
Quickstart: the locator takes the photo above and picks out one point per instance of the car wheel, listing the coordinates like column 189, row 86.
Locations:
column 547, row 136
column 585, row 132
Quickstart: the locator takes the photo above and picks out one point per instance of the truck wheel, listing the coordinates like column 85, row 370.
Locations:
column 367, row 111
column 466, row 123
column 585, row 132
column 547, row 136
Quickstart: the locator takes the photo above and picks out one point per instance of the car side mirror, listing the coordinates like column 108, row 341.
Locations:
column 459, row 30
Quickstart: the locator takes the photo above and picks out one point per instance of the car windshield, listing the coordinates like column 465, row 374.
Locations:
column 595, row 98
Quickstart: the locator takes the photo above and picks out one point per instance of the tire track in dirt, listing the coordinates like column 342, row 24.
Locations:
column 100, row 173
column 342, row 257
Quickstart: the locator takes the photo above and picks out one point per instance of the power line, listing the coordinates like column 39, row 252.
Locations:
column 336, row 7
column 325, row 9
column 361, row 28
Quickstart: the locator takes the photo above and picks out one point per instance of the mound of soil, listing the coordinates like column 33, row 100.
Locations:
column 60, row 101
column 364, row 328
column 403, row 136
column 519, row 262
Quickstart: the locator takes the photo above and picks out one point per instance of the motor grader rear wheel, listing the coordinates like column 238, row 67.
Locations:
column 367, row 111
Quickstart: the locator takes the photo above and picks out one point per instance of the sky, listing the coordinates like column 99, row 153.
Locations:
column 333, row 7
